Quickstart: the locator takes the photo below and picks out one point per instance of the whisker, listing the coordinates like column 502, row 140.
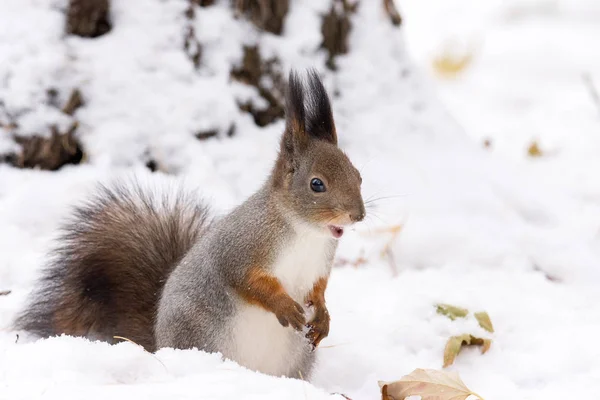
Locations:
column 364, row 164
column 371, row 200
column 371, row 215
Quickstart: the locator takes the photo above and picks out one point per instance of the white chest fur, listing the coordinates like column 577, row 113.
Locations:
column 302, row 263
column 258, row 341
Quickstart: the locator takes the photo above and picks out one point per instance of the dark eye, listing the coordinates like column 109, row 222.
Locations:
column 317, row 185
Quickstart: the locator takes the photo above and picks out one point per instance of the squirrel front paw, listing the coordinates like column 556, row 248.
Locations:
column 318, row 328
column 288, row 312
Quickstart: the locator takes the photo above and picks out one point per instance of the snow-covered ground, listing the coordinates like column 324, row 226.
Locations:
column 483, row 228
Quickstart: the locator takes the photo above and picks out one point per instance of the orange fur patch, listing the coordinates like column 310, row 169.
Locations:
column 317, row 294
column 261, row 288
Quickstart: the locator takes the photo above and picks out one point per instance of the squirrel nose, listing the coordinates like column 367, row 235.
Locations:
column 358, row 215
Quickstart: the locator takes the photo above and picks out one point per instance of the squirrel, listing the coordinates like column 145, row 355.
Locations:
column 154, row 269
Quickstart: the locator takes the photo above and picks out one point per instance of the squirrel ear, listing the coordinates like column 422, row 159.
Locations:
column 319, row 118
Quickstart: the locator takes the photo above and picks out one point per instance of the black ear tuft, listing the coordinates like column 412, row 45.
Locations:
column 294, row 107
column 307, row 118
column 319, row 119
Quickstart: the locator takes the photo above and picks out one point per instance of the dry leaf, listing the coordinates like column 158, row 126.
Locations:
column 387, row 251
column 484, row 343
column 451, row 311
column 359, row 261
column 455, row 344
column 393, row 229
column 429, row 384
column 449, row 65
column 5, row 292
column 484, row 321
column 534, row 150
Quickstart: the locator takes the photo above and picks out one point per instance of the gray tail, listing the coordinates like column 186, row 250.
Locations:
column 106, row 274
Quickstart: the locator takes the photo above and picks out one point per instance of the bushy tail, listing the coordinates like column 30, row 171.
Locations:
column 105, row 276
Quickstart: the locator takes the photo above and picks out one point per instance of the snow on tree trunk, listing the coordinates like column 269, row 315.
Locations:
column 238, row 55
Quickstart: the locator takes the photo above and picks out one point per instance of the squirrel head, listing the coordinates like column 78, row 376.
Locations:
column 312, row 177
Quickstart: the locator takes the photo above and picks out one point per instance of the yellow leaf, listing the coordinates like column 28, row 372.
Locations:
column 483, row 342
column 453, row 346
column 484, row 321
column 534, row 150
column 456, row 343
column 449, row 66
column 451, row 311
column 429, row 384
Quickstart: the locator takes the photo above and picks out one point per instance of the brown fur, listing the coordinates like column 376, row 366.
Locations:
column 108, row 276
column 309, row 150
column 262, row 289
column 109, row 269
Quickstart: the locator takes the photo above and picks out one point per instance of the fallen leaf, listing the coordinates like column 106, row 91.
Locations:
column 483, row 342
column 387, row 251
column 5, row 292
column 456, row 343
column 429, row 384
column 453, row 346
column 534, row 150
column 450, row 65
column 359, row 261
column 393, row 229
column 484, row 321
column 451, row 311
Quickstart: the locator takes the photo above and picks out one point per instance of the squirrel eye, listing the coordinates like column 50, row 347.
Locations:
column 317, row 185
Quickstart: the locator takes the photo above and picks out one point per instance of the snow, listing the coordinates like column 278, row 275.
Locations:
column 485, row 229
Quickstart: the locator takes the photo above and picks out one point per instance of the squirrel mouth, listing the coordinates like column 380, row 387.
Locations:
column 336, row 231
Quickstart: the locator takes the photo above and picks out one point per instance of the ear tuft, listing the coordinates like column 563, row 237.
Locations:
column 295, row 114
column 319, row 118
column 308, row 113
